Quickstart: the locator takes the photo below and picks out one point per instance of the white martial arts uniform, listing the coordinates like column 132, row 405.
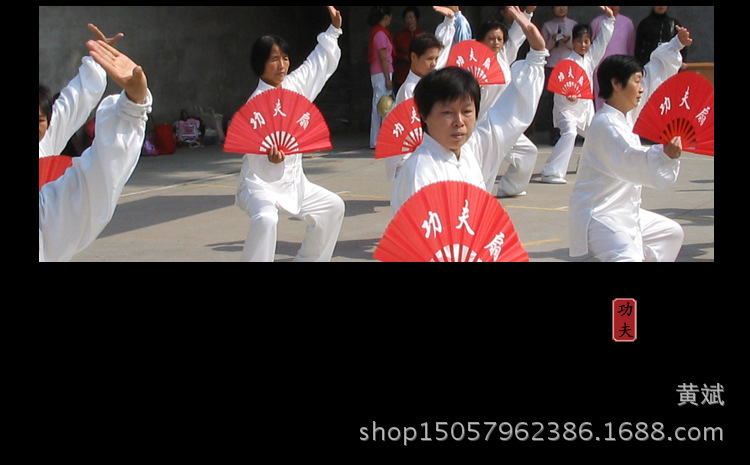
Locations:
column 264, row 187
column 606, row 218
column 524, row 153
column 493, row 136
column 76, row 208
column 73, row 107
column 574, row 118
column 445, row 33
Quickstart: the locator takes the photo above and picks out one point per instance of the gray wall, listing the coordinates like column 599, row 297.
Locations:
column 198, row 55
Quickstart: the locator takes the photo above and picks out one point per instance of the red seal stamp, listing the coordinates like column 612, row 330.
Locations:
column 625, row 320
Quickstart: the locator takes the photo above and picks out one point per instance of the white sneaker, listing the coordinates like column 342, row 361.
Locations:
column 553, row 180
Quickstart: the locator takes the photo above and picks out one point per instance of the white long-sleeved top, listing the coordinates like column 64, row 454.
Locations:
column 76, row 208
column 445, row 33
column 286, row 181
column 73, row 107
column 582, row 111
column 506, row 57
column 506, row 121
column 615, row 166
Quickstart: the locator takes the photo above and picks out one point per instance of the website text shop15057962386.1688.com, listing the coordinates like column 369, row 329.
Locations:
column 538, row 432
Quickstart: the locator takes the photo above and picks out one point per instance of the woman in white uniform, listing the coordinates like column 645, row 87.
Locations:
column 456, row 146
column 506, row 43
column 277, row 181
column 572, row 115
column 76, row 208
column 606, row 218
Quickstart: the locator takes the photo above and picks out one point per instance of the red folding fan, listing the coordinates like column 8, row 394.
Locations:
column 401, row 132
column 451, row 221
column 569, row 79
column 52, row 168
column 683, row 106
column 478, row 58
column 280, row 118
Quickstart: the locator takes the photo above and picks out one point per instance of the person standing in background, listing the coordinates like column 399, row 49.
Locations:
column 458, row 145
column 622, row 43
column 558, row 35
column 401, row 41
column 427, row 52
column 505, row 39
column 380, row 56
column 573, row 115
column 656, row 29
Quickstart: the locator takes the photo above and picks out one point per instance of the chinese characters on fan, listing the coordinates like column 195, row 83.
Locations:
column 277, row 110
column 464, row 220
column 433, row 226
column 399, row 129
column 574, row 87
column 701, row 117
column 461, row 61
column 481, row 72
column 258, row 120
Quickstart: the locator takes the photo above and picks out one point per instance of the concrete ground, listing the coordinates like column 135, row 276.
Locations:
column 180, row 208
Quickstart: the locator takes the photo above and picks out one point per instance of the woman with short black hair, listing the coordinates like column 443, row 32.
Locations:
column 606, row 217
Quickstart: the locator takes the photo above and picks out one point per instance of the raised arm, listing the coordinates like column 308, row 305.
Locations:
column 76, row 208
column 666, row 61
column 336, row 19
column 533, row 34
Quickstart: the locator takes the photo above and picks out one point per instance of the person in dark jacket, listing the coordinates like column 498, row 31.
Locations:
column 656, row 29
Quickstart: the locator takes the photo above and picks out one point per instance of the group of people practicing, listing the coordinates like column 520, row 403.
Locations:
column 469, row 131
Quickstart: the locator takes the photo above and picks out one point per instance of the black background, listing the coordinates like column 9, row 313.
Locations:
column 237, row 371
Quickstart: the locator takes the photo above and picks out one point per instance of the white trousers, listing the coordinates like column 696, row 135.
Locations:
column 322, row 212
column 662, row 241
column 378, row 91
column 522, row 159
column 559, row 160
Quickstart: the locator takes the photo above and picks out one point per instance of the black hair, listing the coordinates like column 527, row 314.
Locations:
column 445, row 85
column 581, row 30
column 617, row 68
column 489, row 26
column 423, row 42
column 413, row 9
column 45, row 101
column 261, row 52
column 377, row 13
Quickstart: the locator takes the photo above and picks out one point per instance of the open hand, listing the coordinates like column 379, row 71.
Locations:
column 121, row 69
